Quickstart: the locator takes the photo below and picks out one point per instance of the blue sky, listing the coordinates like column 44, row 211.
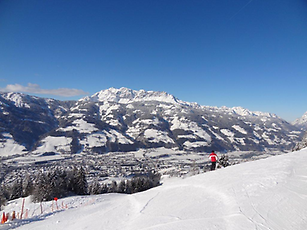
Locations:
column 249, row 53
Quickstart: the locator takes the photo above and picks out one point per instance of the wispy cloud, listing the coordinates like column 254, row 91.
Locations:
column 250, row 1
column 36, row 89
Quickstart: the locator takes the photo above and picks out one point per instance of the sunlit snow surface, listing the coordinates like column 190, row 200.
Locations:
column 8, row 146
column 265, row 194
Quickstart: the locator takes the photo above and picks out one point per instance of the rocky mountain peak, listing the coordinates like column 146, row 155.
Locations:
column 126, row 96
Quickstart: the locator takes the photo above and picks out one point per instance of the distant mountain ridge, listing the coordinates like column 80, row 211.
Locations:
column 124, row 119
column 301, row 122
column 125, row 96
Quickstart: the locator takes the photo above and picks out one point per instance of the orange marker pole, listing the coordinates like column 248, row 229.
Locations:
column 3, row 218
column 13, row 215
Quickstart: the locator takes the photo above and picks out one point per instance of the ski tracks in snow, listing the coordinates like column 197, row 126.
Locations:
column 176, row 208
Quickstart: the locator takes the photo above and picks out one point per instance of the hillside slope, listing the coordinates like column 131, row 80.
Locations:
column 264, row 194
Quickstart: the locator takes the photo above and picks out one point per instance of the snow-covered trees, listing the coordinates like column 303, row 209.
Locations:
column 42, row 188
column 138, row 184
column 59, row 182
column 302, row 144
column 94, row 188
column 16, row 190
column 128, row 186
column 80, row 183
column 27, row 186
column 20, row 187
column 3, row 196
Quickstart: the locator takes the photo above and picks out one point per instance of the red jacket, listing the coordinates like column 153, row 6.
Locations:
column 213, row 157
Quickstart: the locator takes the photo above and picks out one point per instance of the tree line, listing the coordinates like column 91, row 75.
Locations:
column 59, row 182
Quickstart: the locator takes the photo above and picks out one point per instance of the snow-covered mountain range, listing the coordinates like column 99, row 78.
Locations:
column 124, row 119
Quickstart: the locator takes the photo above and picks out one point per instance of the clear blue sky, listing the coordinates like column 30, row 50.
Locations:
column 249, row 53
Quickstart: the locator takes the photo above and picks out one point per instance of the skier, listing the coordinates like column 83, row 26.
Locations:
column 213, row 157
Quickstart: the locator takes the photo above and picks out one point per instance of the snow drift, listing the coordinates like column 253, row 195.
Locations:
column 264, row 194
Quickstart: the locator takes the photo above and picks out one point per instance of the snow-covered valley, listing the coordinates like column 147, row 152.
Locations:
column 265, row 194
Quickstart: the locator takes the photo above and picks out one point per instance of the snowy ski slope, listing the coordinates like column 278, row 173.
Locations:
column 268, row 194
